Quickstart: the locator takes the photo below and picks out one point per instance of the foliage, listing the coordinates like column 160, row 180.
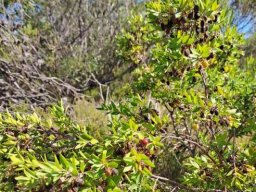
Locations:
column 55, row 154
column 189, row 96
column 187, row 55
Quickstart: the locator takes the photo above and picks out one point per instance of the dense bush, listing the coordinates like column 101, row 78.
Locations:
column 55, row 154
column 188, row 55
column 190, row 99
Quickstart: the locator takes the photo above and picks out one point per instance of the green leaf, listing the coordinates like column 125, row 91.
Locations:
column 194, row 164
column 127, row 169
column 46, row 168
column 94, row 141
column 113, row 164
column 30, row 174
column 149, row 163
column 64, row 161
column 215, row 6
column 22, row 178
column 16, row 161
column 116, row 189
column 104, row 156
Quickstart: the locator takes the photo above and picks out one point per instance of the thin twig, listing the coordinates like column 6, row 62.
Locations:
column 175, row 183
column 195, row 143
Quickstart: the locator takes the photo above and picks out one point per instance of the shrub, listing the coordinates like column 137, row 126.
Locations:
column 187, row 54
column 55, row 154
column 189, row 94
